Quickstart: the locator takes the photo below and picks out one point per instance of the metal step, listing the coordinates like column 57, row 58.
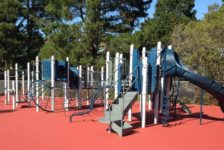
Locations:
column 123, row 129
column 116, row 114
column 117, row 111
column 128, row 99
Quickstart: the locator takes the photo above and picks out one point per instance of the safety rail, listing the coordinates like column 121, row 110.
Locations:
column 124, row 92
column 95, row 96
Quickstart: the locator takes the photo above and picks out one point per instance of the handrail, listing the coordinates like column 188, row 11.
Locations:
column 122, row 109
column 125, row 81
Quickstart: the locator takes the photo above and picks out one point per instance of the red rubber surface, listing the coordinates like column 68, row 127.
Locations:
column 24, row 129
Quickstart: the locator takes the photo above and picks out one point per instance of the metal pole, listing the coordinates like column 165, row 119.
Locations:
column 91, row 76
column 144, row 87
column 32, row 80
column 156, row 112
column 52, row 83
column 116, row 74
column 17, row 84
column 88, row 85
column 13, row 96
column 8, row 92
column 80, row 88
column 28, row 80
column 5, row 86
column 37, row 85
column 65, row 97
column 65, row 86
column 68, row 67
column 102, row 76
column 107, row 79
column 23, row 84
column 130, row 79
column 201, row 105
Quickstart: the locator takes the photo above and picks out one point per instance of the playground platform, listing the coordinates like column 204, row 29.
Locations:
column 24, row 129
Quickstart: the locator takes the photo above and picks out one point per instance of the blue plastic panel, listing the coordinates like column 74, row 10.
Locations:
column 46, row 69
column 73, row 77
column 61, row 70
column 136, row 71
column 119, row 78
column 152, row 57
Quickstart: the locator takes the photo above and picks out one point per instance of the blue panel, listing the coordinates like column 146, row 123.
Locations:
column 140, row 79
column 136, row 71
column 61, row 70
column 46, row 69
column 152, row 57
column 119, row 78
column 73, row 77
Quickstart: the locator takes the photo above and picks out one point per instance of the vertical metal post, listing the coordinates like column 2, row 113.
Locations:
column 91, row 76
column 162, row 93
column 17, row 84
column 8, row 90
column 158, row 61
column 13, row 96
column 32, row 80
column 102, row 76
column 120, row 74
column 5, row 86
column 116, row 74
column 201, row 105
column 52, row 83
column 68, row 67
column 23, row 84
column 66, row 84
column 144, row 87
column 28, row 80
column 107, row 79
column 80, row 88
column 88, row 85
column 65, row 96
column 42, row 85
column 130, row 79
column 37, row 85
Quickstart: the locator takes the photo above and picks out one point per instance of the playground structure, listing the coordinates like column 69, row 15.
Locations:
column 50, row 84
column 15, row 86
column 150, row 78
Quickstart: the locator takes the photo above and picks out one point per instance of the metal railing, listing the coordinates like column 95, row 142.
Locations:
column 127, row 79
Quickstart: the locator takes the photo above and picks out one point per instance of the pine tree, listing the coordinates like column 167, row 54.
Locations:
column 11, row 40
column 39, row 19
column 168, row 14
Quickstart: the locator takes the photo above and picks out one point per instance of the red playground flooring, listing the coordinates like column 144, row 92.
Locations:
column 25, row 129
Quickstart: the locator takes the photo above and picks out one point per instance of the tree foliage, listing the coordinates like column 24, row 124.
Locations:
column 11, row 40
column 98, row 22
column 168, row 14
column 201, row 43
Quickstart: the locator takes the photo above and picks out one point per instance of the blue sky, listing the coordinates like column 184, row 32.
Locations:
column 200, row 5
